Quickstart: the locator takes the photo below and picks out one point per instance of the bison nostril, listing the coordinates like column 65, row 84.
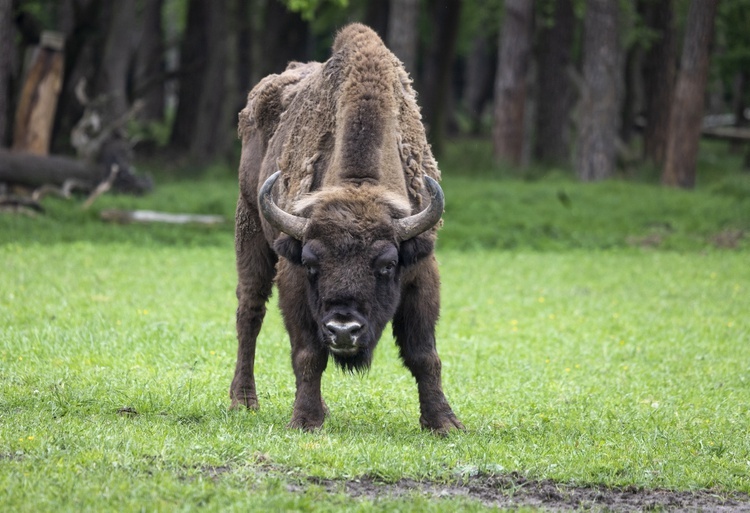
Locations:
column 343, row 333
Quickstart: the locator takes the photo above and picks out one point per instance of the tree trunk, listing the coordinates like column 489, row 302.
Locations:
column 201, row 125
column 510, row 82
column 403, row 32
column 659, row 75
column 65, row 16
column 244, row 50
column 741, row 86
column 599, row 110
column 555, row 90
column 481, row 67
column 286, row 33
column 687, row 106
column 150, row 68
column 6, row 53
column 434, row 85
column 632, row 92
column 38, row 103
column 112, row 77
column 376, row 17
column 80, row 21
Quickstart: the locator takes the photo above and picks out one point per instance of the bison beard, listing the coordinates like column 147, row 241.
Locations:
column 334, row 177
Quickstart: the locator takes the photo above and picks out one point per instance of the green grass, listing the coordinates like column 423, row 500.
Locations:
column 570, row 351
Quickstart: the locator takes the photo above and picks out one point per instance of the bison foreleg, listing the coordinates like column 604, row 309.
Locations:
column 309, row 408
column 309, row 357
column 255, row 269
column 414, row 329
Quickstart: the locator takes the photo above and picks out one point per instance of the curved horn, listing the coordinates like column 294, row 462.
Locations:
column 412, row 226
column 282, row 221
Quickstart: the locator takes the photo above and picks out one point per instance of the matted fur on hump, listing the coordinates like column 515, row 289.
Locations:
column 367, row 107
column 315, row 115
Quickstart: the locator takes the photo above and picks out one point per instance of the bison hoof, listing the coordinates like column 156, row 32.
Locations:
column 305, row 424
column 442, row 426
column 247, row 399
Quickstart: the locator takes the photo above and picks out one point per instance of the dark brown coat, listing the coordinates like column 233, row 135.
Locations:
column 353, row 214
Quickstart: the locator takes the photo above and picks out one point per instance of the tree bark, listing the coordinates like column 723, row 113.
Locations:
column 739, row 104
column 244, row 50
column 201, row 125
column 286, row 33
column 6, row 52
column 554, row 88
column 659, row 76
column 376, row 17
column 38, row 103
column 403, row 32
column 510, row 82
column 435, row 81
column 80, row 21
column 150, row 67
column 481, row 67
column 632, row 92
column 119, row 47
column 599, row 110
column 686, row 113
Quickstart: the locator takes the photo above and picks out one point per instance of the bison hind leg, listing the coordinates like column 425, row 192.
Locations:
column 256, row 268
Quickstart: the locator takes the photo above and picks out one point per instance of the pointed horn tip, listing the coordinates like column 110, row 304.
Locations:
column 436, row 192
column 293, row 225
column 410, row 227
column 264, row 195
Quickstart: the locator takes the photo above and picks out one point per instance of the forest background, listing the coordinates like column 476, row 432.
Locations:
column 596, row 87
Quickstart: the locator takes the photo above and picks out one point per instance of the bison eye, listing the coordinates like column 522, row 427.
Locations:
column 387, row 269
column 310, row 265
column 309, row 261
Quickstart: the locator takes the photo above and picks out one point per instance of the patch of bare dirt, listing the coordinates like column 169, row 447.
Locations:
column 512, row 491
column 728, row 239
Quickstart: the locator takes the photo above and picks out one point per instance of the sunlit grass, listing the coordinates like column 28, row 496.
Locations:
column 613, row 368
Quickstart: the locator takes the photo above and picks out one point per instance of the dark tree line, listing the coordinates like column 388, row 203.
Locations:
column 574, row 83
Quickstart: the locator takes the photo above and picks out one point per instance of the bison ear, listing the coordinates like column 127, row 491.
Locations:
column 290, row 248
column 415, row 249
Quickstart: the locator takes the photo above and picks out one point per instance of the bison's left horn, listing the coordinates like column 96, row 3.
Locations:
column 295, row 226
column 412, row 226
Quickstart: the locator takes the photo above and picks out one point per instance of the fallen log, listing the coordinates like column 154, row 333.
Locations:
column 151, row 216
column 35, row 171
column 727, row 133
column 20, row 205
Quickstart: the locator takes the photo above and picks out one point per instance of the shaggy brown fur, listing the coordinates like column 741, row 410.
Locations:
column 348, row 138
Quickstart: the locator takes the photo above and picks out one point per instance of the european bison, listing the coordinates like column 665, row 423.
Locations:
column 337, row 179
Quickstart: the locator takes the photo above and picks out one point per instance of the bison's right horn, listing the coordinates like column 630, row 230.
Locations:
column 411, row 226
column 295, row 226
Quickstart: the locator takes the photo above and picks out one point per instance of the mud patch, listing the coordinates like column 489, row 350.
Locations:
column 512, row 491
column 728, row 239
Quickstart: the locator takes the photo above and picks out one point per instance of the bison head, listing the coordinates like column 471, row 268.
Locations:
column 353, row 243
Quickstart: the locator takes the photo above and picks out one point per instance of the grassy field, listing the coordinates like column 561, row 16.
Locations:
column 591, row 335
